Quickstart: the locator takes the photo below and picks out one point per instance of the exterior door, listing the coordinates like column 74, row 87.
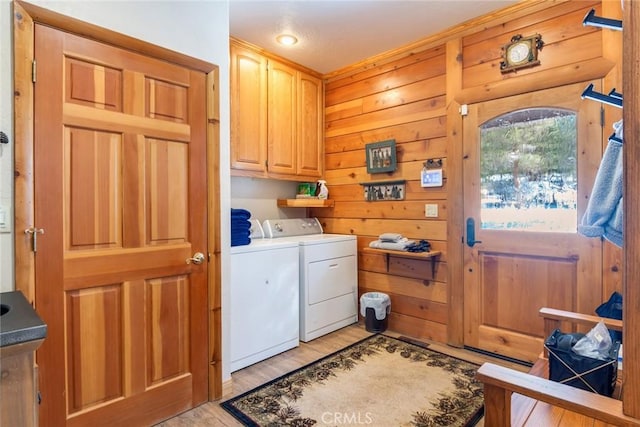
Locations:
column 529, row 165
column 120, row 192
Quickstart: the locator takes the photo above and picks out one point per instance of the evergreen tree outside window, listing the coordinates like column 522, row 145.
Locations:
column 529, row 171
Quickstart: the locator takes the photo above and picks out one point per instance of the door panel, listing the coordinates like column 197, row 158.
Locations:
column 511, row 273
column 282, row 84
column 121, row 193
column 309, row 145
column 248, row 94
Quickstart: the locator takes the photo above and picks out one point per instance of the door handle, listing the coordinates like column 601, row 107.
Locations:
column 471, row 233
column 198, row 258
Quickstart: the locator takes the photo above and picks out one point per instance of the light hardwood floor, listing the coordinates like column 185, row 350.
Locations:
column 211, row 414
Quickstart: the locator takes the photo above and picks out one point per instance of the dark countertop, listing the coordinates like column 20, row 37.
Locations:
column 21, row 323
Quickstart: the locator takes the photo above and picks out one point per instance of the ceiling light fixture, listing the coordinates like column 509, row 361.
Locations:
column 286, row 39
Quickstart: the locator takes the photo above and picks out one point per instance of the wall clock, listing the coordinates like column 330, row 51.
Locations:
column 521, row 52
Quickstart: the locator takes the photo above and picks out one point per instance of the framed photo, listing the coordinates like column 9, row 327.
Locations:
column 389, row 190
column 381, row 156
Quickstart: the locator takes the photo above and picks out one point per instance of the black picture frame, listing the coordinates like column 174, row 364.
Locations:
column 386, row 190
column 381, row 156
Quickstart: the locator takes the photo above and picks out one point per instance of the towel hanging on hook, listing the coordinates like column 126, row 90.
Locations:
column 604, row 214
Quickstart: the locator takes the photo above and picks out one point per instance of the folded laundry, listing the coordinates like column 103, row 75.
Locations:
column 239, row 241
column 421, row 246
column 394, row 246
column 240, row 213
column 390, row 237
column 240, row 233
column 237, row 223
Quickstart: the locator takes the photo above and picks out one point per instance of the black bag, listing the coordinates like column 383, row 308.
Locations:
column 612, row 309
column 568, row 367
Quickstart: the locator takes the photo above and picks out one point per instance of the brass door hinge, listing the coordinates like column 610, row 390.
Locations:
column 34, row 236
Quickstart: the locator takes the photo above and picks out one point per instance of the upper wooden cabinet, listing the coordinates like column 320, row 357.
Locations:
column 248, row 111
column 276, row 117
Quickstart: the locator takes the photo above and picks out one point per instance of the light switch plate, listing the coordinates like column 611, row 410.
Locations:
column 431, row 210
column 5, row 220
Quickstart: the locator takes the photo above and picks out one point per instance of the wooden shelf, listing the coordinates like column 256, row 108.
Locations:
column 430, row 255
column 305, row 203
column 404, row 254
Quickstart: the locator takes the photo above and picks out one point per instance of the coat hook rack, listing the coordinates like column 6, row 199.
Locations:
column 613, row 98
column 597, row 21
column 614, row 138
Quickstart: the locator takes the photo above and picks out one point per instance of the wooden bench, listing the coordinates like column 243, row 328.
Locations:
column 514, row 398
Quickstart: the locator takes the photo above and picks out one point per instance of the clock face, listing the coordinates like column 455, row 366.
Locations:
column 519, row 52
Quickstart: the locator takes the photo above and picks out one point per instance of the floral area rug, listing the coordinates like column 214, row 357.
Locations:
column 379, row 381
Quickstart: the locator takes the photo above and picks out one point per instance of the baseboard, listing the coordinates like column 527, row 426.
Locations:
column 227, row 387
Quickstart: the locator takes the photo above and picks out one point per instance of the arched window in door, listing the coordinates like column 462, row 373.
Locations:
column 529, row 171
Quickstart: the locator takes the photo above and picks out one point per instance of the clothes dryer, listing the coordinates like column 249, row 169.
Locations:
column 328, row 274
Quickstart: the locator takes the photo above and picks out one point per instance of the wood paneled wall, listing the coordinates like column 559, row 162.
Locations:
column 404, row 101
column 413, row 96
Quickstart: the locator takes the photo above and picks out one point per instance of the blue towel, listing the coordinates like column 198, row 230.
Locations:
column 240, row 214
column 240, row 233
column 240, row 241
column 603, row 216
column 240, row 224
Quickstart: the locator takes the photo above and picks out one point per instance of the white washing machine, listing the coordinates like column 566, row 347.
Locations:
column 328, row 274
column 264, row 300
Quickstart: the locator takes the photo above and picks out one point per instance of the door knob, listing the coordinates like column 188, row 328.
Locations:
column 198, row 258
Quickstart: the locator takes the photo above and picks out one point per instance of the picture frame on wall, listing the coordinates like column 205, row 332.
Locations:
column 387, row 190
column 381, row 156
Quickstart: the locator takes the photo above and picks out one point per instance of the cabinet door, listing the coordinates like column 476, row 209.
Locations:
column 282, row 118
column 248, row 110
column 310, row 142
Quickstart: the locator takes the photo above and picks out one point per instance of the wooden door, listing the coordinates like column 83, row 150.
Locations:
column 282, row 118
column 120, row 192
column 310, row 137
column 248, row 110
column 511, row 272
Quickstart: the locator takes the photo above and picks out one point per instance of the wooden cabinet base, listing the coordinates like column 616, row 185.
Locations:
column 18, row 385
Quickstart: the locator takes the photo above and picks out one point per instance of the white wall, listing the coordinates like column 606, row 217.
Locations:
column 6, row 151
column 259, row 196
column 196, row 28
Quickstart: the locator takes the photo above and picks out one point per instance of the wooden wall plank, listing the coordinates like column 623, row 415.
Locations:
column 455, row 195
column 419, row 110
column 571, row 51
column 387, row 209
column 631, row 90
column 553, row 24
column 405, row 132
column 404, row 152
column 418, row 328
column 612, row 261
column 395, row 77
column 424, row 289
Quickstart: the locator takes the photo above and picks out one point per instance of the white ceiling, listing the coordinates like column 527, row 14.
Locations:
column 337, row 33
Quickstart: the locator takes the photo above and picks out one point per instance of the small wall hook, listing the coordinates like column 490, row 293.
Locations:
column 433, row 164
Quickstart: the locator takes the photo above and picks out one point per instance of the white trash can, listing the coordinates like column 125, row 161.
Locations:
column 374, row 307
